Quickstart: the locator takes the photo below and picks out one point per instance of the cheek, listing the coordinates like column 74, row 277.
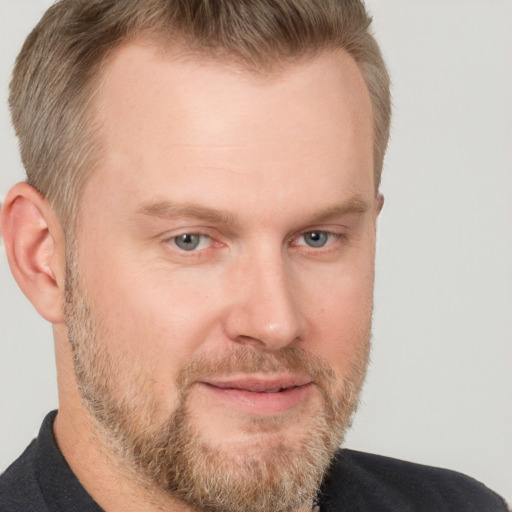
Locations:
column 163, row 317
column 145, row 321
column 340, row 319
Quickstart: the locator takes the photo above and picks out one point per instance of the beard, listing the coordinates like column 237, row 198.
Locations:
column 165, row 452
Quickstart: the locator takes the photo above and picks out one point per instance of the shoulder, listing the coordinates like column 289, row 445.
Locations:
column 19, row 488
column 363, row 481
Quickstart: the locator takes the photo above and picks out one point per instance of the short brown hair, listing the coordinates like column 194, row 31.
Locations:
column 59, row 66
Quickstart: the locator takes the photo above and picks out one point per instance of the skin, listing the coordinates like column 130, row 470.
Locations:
column 253, row 163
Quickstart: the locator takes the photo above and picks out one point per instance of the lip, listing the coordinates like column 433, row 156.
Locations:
column 259, row 396
column 257, row 384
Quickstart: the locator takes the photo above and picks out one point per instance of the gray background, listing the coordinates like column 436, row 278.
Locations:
column 439, row 389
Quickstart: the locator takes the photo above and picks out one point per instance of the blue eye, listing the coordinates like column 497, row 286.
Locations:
column 316, row 238
column 188, row 241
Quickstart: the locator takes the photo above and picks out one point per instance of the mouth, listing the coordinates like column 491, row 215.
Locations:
column 261, row 385
column 259, row 396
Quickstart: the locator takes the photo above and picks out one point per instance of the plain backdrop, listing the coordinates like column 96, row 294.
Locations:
column 439, row 389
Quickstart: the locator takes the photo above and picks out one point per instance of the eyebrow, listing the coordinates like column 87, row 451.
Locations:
column 169, row 210
column 353, row 205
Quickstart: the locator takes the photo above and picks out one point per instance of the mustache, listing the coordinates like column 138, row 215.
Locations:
column 251, row 360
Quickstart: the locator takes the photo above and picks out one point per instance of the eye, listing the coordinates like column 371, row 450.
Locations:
column 316, row 238
column 189, row 241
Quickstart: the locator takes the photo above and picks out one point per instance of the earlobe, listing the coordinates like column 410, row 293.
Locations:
column 35, row 246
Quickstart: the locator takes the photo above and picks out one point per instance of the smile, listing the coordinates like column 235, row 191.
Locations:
column 259, row 397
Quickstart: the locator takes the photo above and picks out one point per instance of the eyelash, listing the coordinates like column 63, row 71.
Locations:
column 171, row 240
column 335, row 238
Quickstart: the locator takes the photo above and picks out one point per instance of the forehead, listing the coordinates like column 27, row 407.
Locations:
column 173, row 121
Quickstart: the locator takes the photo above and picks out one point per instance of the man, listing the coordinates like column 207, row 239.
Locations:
column 199, row 227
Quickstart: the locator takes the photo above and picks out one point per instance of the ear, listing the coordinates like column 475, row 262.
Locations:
column 380, row 203
column 35, row 245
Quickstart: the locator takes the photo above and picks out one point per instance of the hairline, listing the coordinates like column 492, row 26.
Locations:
column 176, row 48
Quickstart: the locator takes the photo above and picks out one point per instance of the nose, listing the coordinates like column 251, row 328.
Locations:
column 265, row 308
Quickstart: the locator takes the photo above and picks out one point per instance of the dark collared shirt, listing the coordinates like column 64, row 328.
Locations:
column 41, row 481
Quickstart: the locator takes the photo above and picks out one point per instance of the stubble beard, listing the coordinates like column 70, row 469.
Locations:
column 171, row 457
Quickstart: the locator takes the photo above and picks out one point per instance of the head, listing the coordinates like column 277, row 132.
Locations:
column 208, row 173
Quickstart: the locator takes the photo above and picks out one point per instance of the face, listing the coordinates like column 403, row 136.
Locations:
column 220, row 294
